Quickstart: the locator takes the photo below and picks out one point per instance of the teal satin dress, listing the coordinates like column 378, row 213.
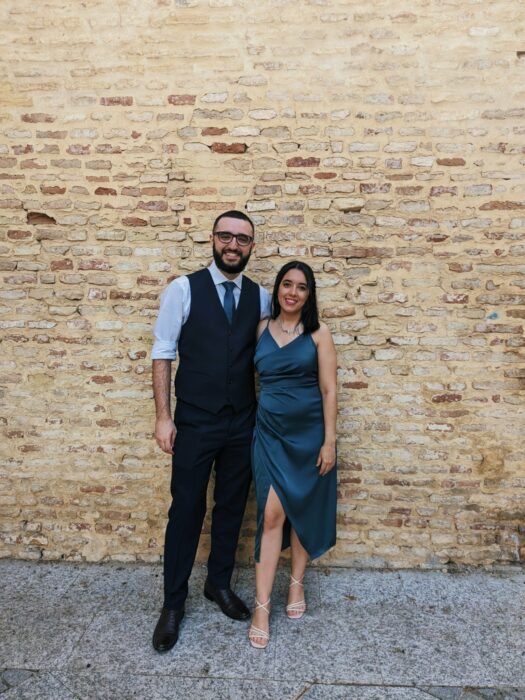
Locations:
column 289, row 432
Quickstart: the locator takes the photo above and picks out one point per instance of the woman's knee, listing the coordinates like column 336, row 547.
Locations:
column 273, row 518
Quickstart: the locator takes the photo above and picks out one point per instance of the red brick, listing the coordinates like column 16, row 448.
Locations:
column 438, row 190
column 108, row 423
column 102, row 379
column 214, row 131
column 339, row 311
column 151, row 281
column 108, row 148
column 18, row 235
column 36, row 218
column 113, row 101
column 8, row 162
column 130, row 191
column 153, row 206
column 497, row 328
column 134, row 221
column 78, row 149
column 51, row 134
column 401, row 176
column 153, row 191
column 325, row 175
column 460, row 267
column 446, row 398
column 38, row 118
column 451, row 161
column 489, row 206
column 373, row 188
column 228, row 147
column 181, row 99
column 310, row 189
column 65, row 264
column 299, row 162
column 52, row 189
column 116, row 515
column 32, row 163
column 409, row 190
column 106, row 191
column 201, row 191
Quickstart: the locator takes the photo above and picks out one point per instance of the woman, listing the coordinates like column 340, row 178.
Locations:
column 294, row 442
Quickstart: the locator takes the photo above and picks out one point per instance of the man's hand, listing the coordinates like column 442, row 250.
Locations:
column 165, row 432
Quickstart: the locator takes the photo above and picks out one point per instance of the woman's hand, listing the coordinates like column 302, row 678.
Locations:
column 326, row 459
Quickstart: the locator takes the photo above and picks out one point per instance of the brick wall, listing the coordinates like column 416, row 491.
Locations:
column 383, row 146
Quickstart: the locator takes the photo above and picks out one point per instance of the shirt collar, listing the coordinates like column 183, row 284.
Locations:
column 219, row 278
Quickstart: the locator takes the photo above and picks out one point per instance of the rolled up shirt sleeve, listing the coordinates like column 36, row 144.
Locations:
column 266, row 303
column 173, row 312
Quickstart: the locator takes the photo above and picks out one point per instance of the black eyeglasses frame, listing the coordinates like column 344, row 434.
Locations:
column 239, row 237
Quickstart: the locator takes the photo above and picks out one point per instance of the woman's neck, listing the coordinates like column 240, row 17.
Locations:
column 289, row 319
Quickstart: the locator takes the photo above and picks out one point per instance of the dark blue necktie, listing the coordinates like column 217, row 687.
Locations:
column 229, row 302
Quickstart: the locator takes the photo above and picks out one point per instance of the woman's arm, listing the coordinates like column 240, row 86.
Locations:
column 262, row 325
column 327, row 362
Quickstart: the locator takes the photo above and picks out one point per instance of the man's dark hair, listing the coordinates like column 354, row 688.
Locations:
column 309, row 312
column 233, row 214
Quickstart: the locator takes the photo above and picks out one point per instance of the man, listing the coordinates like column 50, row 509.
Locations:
column 210, row 317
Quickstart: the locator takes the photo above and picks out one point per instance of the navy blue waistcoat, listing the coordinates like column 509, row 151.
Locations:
column 216, row 360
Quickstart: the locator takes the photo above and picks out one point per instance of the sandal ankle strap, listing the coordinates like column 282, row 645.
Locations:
column 296, row 581
column 262, row 606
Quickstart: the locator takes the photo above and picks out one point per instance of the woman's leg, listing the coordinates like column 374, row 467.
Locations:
column 299, row 562
column 270, row 550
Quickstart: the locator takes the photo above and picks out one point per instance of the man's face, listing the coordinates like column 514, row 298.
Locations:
column 231, row 257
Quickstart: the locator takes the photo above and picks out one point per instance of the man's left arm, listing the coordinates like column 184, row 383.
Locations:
column 266, row 303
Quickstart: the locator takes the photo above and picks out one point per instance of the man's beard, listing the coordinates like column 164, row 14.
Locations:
column 231, row 268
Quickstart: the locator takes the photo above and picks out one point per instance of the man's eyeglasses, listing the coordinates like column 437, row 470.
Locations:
column 226, row 237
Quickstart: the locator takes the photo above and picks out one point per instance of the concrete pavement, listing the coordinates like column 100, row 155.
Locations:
column 83, row 631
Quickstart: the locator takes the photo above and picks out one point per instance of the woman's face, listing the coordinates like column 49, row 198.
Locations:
column 293, row 291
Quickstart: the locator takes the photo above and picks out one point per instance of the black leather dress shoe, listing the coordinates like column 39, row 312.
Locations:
column 230, row 604
column 167, row 630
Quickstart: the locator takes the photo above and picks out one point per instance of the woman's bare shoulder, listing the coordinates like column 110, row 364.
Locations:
column 323, row 332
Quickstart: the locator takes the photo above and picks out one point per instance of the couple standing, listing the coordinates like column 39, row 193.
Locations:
column 219, row 321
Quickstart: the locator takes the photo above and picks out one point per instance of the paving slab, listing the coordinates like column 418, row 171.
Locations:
column 338, row 692
column 118, row 686
column 41, row 686
column 75, row 630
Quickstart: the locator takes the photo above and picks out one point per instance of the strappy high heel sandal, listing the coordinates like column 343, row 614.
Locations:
column 296, row 610
column 256, row 633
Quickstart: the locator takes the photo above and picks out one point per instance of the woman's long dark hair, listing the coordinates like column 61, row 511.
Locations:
column 309, row 312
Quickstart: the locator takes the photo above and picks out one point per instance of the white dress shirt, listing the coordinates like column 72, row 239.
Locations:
column 175, row 303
